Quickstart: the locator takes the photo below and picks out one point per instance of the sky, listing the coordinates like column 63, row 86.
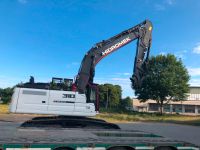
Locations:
column 48, row 38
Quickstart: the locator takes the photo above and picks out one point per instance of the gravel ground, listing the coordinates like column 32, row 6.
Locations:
column 185, row 133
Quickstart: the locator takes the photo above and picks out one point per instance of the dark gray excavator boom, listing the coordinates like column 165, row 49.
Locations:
column 142, row 32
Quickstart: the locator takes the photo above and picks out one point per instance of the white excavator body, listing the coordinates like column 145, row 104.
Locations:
column 52, row 102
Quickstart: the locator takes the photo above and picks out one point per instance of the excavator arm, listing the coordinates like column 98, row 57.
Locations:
column 142, row 32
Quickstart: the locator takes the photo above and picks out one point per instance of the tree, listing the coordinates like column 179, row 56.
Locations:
column 126, row 103
column 6, row 95
column 109, row 95
column 166, row 79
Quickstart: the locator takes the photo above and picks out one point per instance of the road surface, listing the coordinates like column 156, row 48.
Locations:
column 178, row 132
column 185, row 133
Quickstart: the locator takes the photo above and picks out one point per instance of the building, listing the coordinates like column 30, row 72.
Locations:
column 194, row 93
column 190, row 106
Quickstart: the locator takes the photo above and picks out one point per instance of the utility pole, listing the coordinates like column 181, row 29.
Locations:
column 107, row 98
column 0, row 99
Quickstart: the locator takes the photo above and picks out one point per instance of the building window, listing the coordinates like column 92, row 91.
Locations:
column 177, row 108
column 166, row 108
column 153, row 107
column 193, row 96
column 198, row 107
column 189, row 109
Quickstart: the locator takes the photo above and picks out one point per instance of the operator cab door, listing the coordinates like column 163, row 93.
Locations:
column 93, row 96
column 61, row 102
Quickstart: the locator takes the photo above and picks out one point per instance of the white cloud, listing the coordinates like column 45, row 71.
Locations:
column 170, row 2
column 181, row 54
column 194, row 71
column 73, row 64
column 119, row 79
column 194, row 82
column 159, row 7
column 162, row 53
column 22, row 1
column 8, row 81
column 196, row 49
column 163, row 5
column 124, row 73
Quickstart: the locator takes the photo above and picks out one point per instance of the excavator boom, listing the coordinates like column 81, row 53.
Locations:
column 142, row 32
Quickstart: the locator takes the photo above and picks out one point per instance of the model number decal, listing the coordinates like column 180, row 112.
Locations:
column 119, row 44
column 68, row 95
column 60, row 101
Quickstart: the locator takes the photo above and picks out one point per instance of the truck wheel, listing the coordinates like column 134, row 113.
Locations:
column 165, row 148
column 121, row 148
column 63, row 148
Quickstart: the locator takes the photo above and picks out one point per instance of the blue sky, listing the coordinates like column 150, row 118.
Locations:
column 47, row 38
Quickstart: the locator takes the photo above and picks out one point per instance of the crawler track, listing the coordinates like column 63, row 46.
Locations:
column 69, row 122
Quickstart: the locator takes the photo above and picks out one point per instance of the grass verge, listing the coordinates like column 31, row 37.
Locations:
column 4, row 109
column 125, row 117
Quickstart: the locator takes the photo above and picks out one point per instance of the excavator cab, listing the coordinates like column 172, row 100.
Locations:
column 61, row 84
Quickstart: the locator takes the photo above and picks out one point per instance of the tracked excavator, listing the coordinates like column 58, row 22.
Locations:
column 79, row 98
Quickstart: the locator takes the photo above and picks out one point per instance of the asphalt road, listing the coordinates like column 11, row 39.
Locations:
column 178, row 132
column 185, row 133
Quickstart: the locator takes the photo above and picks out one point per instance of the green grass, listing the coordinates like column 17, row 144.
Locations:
column 4, row 109
column 123, row 117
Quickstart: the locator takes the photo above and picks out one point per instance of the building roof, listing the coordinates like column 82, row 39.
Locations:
column 136, row 102
column 195, row 86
